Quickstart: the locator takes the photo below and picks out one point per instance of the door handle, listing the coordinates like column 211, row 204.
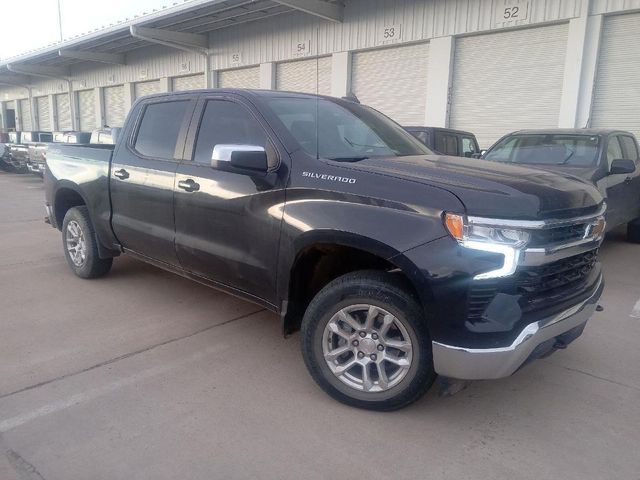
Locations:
column 189, row 185
column 122, row 174
column 628, row 180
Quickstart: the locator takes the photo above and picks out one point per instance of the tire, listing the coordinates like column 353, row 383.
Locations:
column 383, row 298
column 77, row 229
column 633, row 231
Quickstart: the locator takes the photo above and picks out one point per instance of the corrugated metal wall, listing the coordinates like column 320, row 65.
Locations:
column 308, row 76
column 508, row 81
column 240, row 78
column 63, row 111
column 611, row 6
column 394, row 81
column 616, row 100
column 364, row 24
column 44, row 115
column 146, row 88
column 25, row 109
column 87, row 110
column 190, row 82
column 114, row 112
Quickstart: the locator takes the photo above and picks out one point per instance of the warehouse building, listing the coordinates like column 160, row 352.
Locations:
column 487, row 66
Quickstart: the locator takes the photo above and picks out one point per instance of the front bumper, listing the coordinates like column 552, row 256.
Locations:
column 498, row 362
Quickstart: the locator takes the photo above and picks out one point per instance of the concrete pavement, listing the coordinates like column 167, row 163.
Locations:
column 145, row 375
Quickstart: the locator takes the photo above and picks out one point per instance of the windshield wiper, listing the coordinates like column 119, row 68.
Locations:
column 354, row 144
column 566, row 160
column 348, row 159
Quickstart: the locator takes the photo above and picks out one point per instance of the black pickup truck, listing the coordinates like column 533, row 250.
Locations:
column 396, row 264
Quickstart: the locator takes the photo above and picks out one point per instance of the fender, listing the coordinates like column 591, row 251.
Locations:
column 103, row 250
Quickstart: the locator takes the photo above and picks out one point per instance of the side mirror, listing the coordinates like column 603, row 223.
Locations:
column 622, row 166
column 248, row 157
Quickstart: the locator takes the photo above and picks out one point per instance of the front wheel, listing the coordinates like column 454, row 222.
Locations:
column 365, row 342
column 80, row 247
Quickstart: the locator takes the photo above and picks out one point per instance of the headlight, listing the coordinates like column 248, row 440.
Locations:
column 506, row 241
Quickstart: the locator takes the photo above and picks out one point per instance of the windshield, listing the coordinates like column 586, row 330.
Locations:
column 343, row 132
column 572, row 150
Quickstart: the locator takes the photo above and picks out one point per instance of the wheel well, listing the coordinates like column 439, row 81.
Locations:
column 65, row 200
column 318, row 265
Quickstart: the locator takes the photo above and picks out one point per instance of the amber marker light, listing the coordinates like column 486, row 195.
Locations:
column 455, row 225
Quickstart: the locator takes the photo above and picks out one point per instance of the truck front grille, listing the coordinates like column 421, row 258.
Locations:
column 564, row 234
column 533, row 284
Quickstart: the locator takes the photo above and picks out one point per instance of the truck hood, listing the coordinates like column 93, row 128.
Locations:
column 491, row 189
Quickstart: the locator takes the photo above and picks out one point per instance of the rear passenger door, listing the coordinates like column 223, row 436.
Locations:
column 615, row 185
column 143, row 174
column 632, row 180
column 228, row 219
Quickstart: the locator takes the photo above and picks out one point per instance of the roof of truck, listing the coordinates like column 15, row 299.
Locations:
column 569, row 131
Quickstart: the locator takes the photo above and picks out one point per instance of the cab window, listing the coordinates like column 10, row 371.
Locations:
column 614, row 150
column 446, row 143
column 630, row 148
column 159, row 129
column 225, row 122
column 468, row 147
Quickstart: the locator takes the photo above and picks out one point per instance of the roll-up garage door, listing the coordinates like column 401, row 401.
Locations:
column 63, row 110
column 25, row 108
column 191, row 82
column 147, row 88
column 114, row 106
column 87, row 106
column 394, row 81
column 616, row 100
column 308, row 76
column 44, row 116
column 240, row 78
column 507, row 81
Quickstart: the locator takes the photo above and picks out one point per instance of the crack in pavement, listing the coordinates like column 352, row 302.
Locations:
column 24, row 469
column 128, row 355
column 604, row 379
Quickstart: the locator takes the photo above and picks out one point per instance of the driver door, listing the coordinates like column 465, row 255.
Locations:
column 228, row 218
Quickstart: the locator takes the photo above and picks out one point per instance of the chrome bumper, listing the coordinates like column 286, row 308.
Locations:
column 490, row 363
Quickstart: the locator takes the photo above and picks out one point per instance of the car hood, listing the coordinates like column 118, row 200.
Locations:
column 492, row 189
column 589, row 174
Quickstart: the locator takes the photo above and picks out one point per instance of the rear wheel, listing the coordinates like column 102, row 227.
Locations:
column 633, row 231
column 365, row 342
column 80, row 247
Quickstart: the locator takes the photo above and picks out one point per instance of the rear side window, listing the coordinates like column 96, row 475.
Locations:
column 420, row 135
column 446, row 143
column 614, row 150
column 159, row 129
column 468, row 146
column 630, row 148
column 228, row 123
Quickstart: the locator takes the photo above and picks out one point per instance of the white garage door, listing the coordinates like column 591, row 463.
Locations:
column 114, row 106
column 394, row 81
column 191, row 82
column 147, row 88
column 87, row 106
column 616, row 101
column 308, row 76
column 25, row 108
column 64, row 112
column 240, row 78
column 508, row 81
column 44, row 115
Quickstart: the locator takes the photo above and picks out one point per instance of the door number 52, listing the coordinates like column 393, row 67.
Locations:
column 511, row 13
